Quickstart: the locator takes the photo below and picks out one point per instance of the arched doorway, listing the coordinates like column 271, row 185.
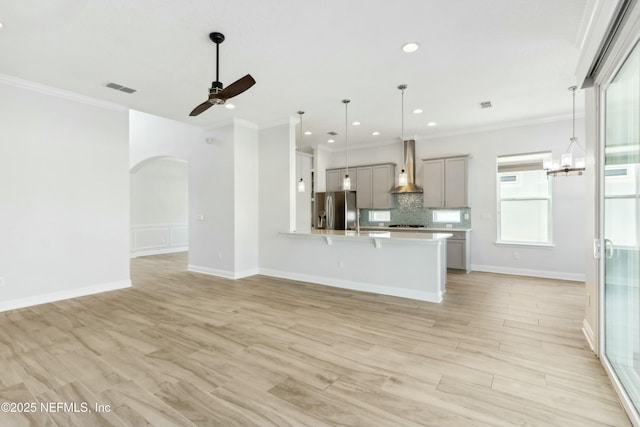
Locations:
column 159, row 206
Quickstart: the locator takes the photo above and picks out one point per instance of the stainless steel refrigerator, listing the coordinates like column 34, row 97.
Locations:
column 335, row 210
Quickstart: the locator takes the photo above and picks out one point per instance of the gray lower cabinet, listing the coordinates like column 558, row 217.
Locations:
column 459, row 251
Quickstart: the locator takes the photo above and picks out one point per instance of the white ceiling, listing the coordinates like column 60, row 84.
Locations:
column 309, row 55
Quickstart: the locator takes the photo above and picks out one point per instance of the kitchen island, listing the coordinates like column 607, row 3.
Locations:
column 404, row 264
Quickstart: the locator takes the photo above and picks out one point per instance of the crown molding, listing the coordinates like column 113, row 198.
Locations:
column 60, row 93
column 470, row 130
column 499, row 126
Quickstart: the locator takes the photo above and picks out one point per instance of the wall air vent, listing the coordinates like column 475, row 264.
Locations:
column 486, row 104
column 121, row 88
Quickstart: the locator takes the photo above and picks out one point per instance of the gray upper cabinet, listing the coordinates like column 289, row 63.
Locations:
column 335, row 176
column 365, row 186
column 433, row 183
column 334, row 180
column 383, row 181
column 371, row 182
column 446, row 182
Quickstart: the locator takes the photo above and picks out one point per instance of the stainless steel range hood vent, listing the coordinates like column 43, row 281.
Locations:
column 409, row 168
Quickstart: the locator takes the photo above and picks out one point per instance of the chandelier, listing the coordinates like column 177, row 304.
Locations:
column 567, row 165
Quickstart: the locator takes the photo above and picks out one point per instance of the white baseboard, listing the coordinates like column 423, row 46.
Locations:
column 589, row 335
column 355, row 286
column 560, row 275
column 222, row 273
column 62, row 295
column 135, row 254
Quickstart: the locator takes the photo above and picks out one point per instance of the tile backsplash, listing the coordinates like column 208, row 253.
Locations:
column 408, row 210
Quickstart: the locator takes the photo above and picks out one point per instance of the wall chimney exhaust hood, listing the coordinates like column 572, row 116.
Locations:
column 410, row 169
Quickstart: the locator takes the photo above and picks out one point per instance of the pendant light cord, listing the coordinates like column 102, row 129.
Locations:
column 573, row 137
column 300, row 113
column 402, row 119
column 574, row 113
column 346, row 137
column 402, row 88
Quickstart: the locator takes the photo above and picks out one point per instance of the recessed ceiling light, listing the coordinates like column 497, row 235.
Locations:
column 375, row 133
column 417, row 111
column 331, row 141
column 356, row 123
column 308, row 132
column 410, row 47
column 431, row 124
column 229, row 106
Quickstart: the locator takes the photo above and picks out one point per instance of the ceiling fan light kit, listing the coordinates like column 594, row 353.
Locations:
column 218, row 94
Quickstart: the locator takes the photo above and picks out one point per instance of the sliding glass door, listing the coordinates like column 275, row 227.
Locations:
column 621, row 217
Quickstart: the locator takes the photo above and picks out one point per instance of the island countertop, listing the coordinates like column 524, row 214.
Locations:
column 414, row 237
column 414, row 229
column 399, row 263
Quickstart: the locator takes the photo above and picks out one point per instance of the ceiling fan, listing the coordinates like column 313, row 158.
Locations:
column 218, row 94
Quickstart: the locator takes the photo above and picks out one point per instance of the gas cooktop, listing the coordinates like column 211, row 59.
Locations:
column 406, row 226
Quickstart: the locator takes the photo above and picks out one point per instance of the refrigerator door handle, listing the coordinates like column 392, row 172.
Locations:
column 330, row 212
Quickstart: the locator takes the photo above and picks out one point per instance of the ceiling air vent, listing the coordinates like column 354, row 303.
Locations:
column 121, row 88
column 486, row 104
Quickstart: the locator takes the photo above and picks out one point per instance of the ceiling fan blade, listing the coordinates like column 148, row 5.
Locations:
column 236, row 88
column 201, row 108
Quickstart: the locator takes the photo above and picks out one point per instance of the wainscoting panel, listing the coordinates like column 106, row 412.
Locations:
column 154, row 239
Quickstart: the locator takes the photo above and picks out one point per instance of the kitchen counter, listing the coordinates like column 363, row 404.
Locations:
column 405, row 264
column 414, row 229
column 376, row 236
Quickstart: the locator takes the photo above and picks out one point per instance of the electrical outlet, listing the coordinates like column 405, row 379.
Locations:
column 341, row 264
column 219, row 255
column 516, row 254
column 466, row 216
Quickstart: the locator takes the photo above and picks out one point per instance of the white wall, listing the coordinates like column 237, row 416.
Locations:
column 567, row 259
column 245, row 198
column 223, row 188
column 159, row 192
column 304, row 163
column 64, row 195
column 276, row 186
column 159, row 207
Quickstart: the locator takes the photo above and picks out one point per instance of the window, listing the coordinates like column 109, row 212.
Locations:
column 446, row 216
column 621, row 203
column 524, row 199
column 379, row 216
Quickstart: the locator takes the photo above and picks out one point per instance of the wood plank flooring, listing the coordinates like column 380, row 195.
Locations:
column 183, row 349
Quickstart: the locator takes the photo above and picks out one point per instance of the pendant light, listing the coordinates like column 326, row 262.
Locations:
column 301, row 186
column 403, row 178
column 346, row 182
column 566, row 166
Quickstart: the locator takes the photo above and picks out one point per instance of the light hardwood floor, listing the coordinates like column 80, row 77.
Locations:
column 181, row 348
